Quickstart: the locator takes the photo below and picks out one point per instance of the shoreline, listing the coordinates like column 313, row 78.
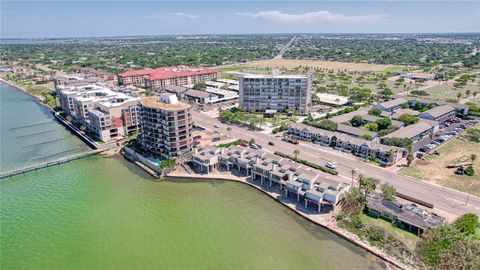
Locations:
column 324, row 224
column 19, row 88
column 350, row 237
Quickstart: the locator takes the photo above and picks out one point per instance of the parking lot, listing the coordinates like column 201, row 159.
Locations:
column 448, row 130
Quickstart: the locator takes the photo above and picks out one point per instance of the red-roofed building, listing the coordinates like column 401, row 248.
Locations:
column 159, row 78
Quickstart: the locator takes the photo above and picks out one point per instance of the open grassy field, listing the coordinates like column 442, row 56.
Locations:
column 434, row 170
column 448, row 91
column 291, row 64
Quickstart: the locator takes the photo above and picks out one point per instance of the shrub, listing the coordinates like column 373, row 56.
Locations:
column 473, row 134
column 375, row 112
column 327, row 124
column 307, row 163
column 469, row 170
column 467, row 223
column 408, row 119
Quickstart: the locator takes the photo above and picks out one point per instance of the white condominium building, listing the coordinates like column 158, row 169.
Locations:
column 109, row 114
column 259, row 93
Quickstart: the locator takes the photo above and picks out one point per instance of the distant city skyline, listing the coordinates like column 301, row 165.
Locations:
column 21, row 19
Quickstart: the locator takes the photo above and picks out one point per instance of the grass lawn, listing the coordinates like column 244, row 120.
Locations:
column 408, row 238
column 448, row 91
column 434, row 170
column 291, row 64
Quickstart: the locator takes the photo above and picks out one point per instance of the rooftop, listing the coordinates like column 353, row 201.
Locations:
column 159, row 103
column 410, row 214
column 168, row 72
column 410, row 131
column 393, row 103
column 439, row 110
column 355, row 131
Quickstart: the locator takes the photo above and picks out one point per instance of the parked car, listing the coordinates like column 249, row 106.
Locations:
column 271, row 143
column 253, row 146
column 244, row 144
column 216, row 126
column 460, row 170
column 330, row 166
column 216, row 139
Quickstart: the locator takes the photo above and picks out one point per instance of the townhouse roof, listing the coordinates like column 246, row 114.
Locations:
column 355, row 131
column 175, row 89
column 439, row 111
column 397, row 113
column 409, row 214
column 197, row 93
column 410, row 131
column 393, row 103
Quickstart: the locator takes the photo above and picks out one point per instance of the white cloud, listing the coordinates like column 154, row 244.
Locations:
column 311, row 17
column 185, row 15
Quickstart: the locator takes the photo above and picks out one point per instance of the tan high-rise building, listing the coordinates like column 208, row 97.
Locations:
column 166, row 126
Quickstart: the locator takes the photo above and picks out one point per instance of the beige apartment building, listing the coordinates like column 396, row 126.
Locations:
column 166, row 126
column 109, row 114
column 159, row 78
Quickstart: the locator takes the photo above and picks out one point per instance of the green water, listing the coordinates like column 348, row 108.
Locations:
column 103, row 213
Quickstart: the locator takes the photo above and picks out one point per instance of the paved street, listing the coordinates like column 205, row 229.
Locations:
column 446, row 200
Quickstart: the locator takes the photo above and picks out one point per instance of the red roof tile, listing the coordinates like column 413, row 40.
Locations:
column 169, row 72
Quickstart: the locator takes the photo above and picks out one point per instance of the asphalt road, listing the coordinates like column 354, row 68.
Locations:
column 449, row 201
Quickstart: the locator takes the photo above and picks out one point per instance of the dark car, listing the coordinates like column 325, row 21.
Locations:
column 460, row 170
column 271, row 143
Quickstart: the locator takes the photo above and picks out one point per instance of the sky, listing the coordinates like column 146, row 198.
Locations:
column 38, row 19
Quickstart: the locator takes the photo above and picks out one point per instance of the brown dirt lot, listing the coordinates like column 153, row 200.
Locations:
column 291, row 64
column 434, row 169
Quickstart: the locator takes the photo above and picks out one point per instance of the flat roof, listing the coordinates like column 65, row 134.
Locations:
column 407, row 213
column 393, row 103
column 270, row 76
column 439, row 111
column 332, row 99
column 410, row 131
column 156, row 103
column 355, row 130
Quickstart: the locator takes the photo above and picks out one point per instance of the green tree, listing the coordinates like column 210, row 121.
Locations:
column 467, row 224
column 368, row 184
column 200, row 86
column 388, row 192
column 353, row 201
column 357, row 121
column 408, row 119
column 252, row 141
column 327, row 124
column 375, row 112
column 296, row 152
column 383, row 123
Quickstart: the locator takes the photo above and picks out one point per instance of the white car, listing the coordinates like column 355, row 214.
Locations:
column 330, row 166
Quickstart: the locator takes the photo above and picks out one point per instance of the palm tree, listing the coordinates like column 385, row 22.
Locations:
column 353, row 172
column 472, row 158
column 229, row 129
column 296, row 152
column 410, row 157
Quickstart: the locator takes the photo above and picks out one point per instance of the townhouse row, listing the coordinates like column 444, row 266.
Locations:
column 286, row 176
column 384, row 154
